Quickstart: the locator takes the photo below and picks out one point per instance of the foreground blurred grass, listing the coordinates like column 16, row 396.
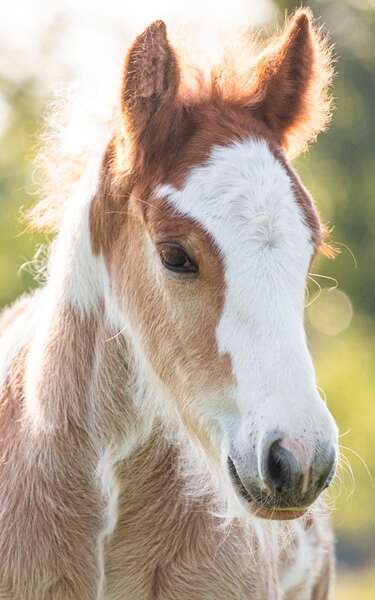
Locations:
column 359, row 585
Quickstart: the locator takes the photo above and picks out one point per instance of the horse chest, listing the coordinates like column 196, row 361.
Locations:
column 156, row 550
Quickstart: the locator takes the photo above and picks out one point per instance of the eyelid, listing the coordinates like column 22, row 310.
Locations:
column 167, row 242
column 186, row 247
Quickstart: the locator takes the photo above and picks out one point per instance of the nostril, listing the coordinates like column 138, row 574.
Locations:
column 278, row 473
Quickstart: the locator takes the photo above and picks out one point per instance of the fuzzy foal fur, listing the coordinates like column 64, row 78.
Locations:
column 108, row 479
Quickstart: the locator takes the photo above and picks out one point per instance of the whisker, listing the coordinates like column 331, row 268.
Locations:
column 363, row 462
column 350, row 252
column 323, row 393
column 345, row 433
column 347, row 468
column 316, row 296
column 328, row 277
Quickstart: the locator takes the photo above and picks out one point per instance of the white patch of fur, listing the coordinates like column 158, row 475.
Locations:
column 303, row 571
column 15, row 337
column 108, row 485
column 75, row 274
column 75, row 280
column 243, row 198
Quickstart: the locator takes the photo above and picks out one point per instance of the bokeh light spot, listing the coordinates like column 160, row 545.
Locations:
column 331, row 313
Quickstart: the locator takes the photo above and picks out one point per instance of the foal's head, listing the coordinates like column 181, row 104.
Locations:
column 208, row 236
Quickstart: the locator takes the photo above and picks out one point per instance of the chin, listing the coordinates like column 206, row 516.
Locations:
column 244, row 508
column 275, row 514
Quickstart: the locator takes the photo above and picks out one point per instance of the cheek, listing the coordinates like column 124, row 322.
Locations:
column 195, row 318
column 174, row 321
column 179, row 333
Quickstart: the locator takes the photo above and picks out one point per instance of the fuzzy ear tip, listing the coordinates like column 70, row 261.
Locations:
column 303, row 18
column 300, row 25
column 157, row 26
column 154, row 32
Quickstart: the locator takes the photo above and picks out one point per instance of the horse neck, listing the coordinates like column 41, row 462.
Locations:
column 77, row 365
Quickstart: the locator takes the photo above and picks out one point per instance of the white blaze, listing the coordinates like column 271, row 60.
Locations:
column 243, row 197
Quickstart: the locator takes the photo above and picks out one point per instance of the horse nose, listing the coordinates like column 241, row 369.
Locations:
column 290, row 480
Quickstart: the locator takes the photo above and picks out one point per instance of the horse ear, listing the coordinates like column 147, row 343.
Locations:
column 292, row 80
column 149, row 87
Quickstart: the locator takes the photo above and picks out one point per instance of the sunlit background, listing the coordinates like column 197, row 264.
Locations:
column 46, row 47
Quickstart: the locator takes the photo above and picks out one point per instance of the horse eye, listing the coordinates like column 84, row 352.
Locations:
column 174, row 258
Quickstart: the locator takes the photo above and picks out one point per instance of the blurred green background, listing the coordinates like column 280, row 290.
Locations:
column 339, row 171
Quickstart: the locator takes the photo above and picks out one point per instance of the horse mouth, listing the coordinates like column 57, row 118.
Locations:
column 262, row 508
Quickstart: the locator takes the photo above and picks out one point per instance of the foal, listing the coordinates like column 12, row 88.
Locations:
column 160, row 427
